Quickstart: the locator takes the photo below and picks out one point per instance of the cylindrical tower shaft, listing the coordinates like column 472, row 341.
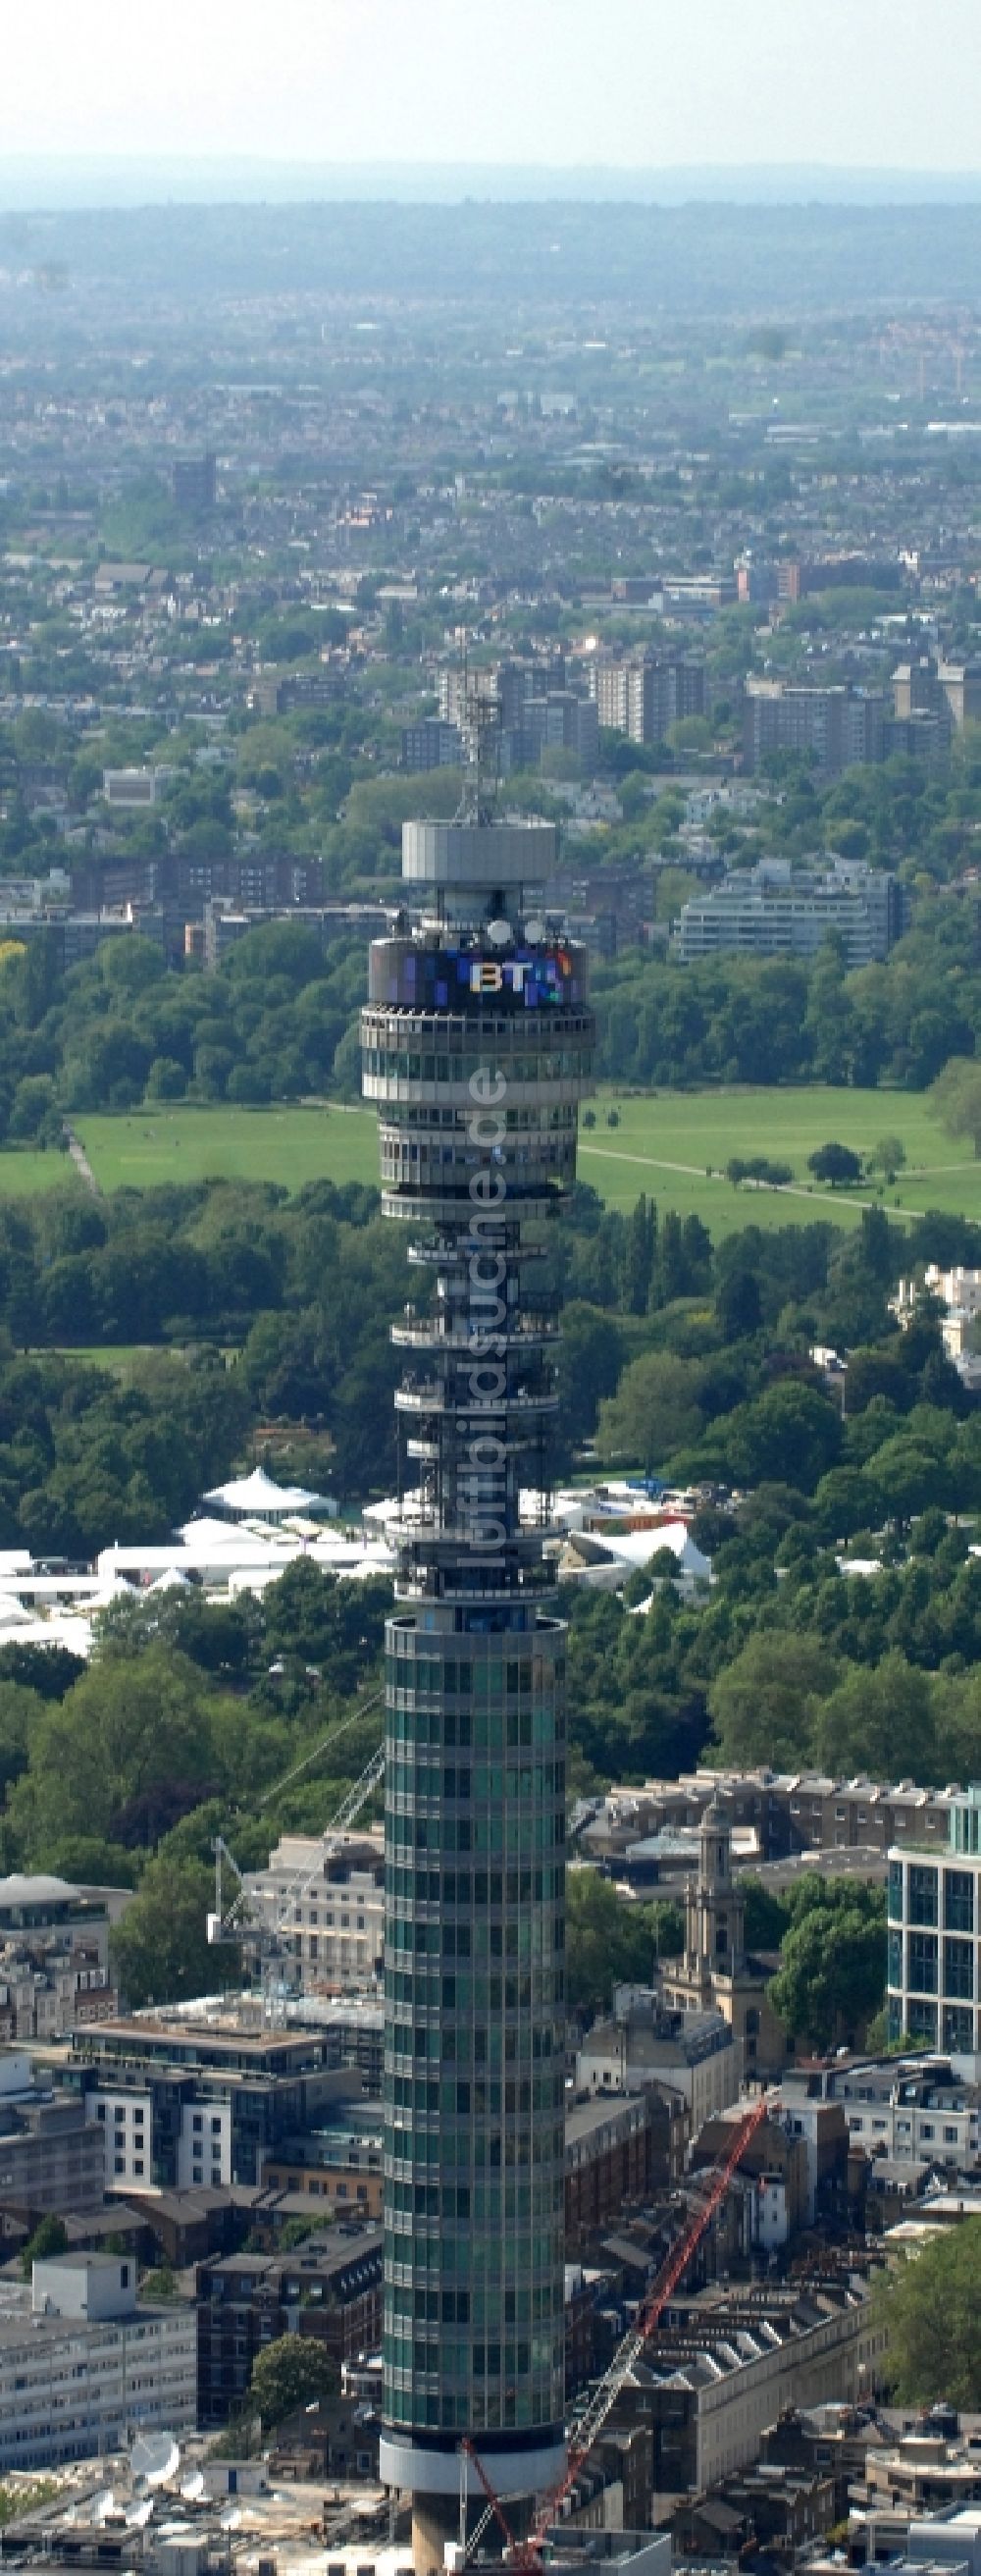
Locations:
column 477, row 1048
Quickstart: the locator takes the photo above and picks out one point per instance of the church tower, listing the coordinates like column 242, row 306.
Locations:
column 714, row 1935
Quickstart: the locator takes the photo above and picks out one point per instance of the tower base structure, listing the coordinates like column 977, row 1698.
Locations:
column 436, row 2481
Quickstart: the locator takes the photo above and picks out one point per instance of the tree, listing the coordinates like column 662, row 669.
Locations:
column 928, row 2307
column 832, row 1972
column 611, row 1941
column 888, row 1156
column 835, row 1164
column 762, row 1705
column 131, row 1722
column 879, row 1722
column 50, row 2237
column 956, row 1098
column 160, row 1949
column 654, row 1412
column 293, row 2371
column 738, row 1305
column 590, row 1358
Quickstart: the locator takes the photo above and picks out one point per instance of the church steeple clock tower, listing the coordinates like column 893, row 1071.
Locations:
column 714, row 1933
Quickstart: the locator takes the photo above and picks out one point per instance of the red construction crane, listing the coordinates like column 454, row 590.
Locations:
column 525, row 2556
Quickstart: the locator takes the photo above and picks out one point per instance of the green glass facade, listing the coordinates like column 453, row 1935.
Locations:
column 477, row 1047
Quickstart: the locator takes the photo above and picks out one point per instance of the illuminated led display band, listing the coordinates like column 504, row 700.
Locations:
column 406, row 977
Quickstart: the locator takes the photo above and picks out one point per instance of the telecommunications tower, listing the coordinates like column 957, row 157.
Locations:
column 477, row 1048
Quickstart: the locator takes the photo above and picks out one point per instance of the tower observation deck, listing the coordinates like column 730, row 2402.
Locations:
column 477, row 1048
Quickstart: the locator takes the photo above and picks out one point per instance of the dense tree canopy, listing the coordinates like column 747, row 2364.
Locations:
column 293, row 2371
column 928, row 2306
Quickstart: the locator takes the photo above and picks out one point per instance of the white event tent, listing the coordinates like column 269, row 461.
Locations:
column 257, row 1498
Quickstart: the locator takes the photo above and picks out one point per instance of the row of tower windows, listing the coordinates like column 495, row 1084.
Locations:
column 512, row 1939
column 453, row 2360
column 538, row 1990
column 456, row 1887
column 427, row 1116
column 487, row 1731
column 462, row 2042
column 459, row 1677
column 520, row 2099
column 456, row 2307
column 480, row 1780
column 515, row 1834
column 484, row 2203
column 484, row 2148
column 464, row 2410
column 397, row 1155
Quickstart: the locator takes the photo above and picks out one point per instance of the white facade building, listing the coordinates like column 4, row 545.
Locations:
column 83, row 2367
column 203, row 2145
column 328, row 1893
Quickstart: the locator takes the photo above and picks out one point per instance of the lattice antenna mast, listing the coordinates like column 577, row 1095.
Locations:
column 480, row 729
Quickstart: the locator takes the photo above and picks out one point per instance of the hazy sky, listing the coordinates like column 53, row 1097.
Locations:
column 632, row 83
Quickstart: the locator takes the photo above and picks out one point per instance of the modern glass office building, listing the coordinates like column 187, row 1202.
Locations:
column 934, row 1971
column 477, row 1047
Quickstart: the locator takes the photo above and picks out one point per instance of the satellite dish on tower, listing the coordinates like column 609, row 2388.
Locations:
column 534, row 931
column 155, row 2458
column 500, row 933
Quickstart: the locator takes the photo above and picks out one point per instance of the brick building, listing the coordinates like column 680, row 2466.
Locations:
column 329, row 2288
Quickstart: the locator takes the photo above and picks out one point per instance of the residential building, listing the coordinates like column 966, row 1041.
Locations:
column 86, row 2364
column 184, row 2103
column 431, row 744
column 619, row 2148
column 329, row 2288
column 723, row 2364
column 559, row 721
column 837, row 726
column 134, row 789
column 54, row 1955
column 475, row 999
column 650, row 1834
column 330, row 1895
column 902, row 2110
column 51, row 2157
column 959, row 1293
column 775, row 909
column 644, row 694
column 693, row 2054
column 339, row 2161
column 195, row 480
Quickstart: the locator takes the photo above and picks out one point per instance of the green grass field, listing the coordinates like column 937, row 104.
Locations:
column 291, row 1146
column 673, row 1145
column 23, row 1172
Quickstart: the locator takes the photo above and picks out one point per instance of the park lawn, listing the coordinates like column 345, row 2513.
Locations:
column 24, row 1171
column 144, row 1148
column 673, row 1145
column 118, row 1359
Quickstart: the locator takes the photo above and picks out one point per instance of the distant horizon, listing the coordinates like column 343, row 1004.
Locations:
column 38, row 184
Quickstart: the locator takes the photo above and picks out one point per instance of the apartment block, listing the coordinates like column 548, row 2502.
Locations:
column 776, row 910
column 642, row 696
column 85, row 2364
column 838, row 726
column 329, row 2289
